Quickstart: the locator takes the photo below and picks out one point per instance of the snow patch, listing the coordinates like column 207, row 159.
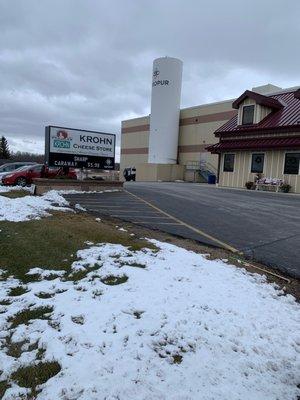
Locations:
column 182, row 327
column 31, row 207
column 45, row 273
column 35, row 207
column 79, row 207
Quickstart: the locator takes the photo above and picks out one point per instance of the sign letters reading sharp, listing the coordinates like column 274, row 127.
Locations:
column 66, row 147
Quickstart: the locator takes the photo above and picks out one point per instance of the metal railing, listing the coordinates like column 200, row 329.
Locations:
column 201, row 166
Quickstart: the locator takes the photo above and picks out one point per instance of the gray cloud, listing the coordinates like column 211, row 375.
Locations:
column 87, row 63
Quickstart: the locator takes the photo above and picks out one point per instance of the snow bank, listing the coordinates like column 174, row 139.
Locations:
column 34, row 207
column 180, row 328
column 31, row 207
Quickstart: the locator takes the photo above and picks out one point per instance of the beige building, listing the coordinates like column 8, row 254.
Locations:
column 196, row 132
column 262, row 142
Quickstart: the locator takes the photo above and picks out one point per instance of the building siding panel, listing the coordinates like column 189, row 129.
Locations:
column 273, row 168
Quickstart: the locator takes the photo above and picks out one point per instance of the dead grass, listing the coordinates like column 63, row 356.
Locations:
column 30, row 376
column 17, row 291
column 24, row 316
column 132, row 264
column 44, row 295
column 81, row 274
column 15, row 349
column 177, row 359
column 14, row 194
column 5, row 302
column 51, row 241
column 114, row 280
column 4, row 385
column 34, row 375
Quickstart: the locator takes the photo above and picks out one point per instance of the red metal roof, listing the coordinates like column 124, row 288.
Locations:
column 285, row 119
column 259, row 99
column 297, row 94
column 292, row 142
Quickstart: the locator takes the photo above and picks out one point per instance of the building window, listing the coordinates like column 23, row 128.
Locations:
column 248, row 115
column 228, row 163
column 257, row 163
column 291, row 163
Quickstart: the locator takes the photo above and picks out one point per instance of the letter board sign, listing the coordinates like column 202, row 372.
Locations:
column 77, row 148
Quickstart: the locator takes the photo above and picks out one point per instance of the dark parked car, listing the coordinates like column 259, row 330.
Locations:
column 129, row 174
column 24, row 176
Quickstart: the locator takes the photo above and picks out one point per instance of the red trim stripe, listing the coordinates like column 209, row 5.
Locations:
column 141, row 150
column 194, row 148
column 200, row 119
column 291, row 142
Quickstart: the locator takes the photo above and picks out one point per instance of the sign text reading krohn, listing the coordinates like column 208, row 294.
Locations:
column 78, row 148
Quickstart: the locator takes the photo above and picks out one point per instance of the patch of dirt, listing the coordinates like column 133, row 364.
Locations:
column 114, row 280
column 44, row 295
column 78, row 319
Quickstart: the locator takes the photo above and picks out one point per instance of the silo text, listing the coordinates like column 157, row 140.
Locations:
column 164, row 82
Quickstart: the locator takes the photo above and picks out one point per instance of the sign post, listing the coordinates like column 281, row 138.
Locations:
column 76, row 148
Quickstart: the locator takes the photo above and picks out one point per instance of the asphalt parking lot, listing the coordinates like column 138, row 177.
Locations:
column 264, row 226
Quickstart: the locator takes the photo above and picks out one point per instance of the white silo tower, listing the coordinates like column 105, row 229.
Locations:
column 165, row 110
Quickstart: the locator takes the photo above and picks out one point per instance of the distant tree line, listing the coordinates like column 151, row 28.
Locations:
column 26, row 156
column 9, row 156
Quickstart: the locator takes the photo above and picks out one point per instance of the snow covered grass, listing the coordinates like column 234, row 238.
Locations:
column 148, row 324
column 31, row 207
column 132, row 319
column 13, row 192
column 16, row 205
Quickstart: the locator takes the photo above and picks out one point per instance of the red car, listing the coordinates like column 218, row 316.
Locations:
column 24, row 176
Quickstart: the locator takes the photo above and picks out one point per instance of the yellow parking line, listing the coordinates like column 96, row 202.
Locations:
column 156, row 223
column 150, row 216
column 192, row 228
column 95, row 205
column 108, row 203
column 135, row 211
column 118, row 204
column 137, row 216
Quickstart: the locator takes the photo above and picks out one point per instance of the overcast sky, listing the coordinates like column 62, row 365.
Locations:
column 87, row 63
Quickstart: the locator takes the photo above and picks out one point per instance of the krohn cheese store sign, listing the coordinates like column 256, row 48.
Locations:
column 66, row 147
